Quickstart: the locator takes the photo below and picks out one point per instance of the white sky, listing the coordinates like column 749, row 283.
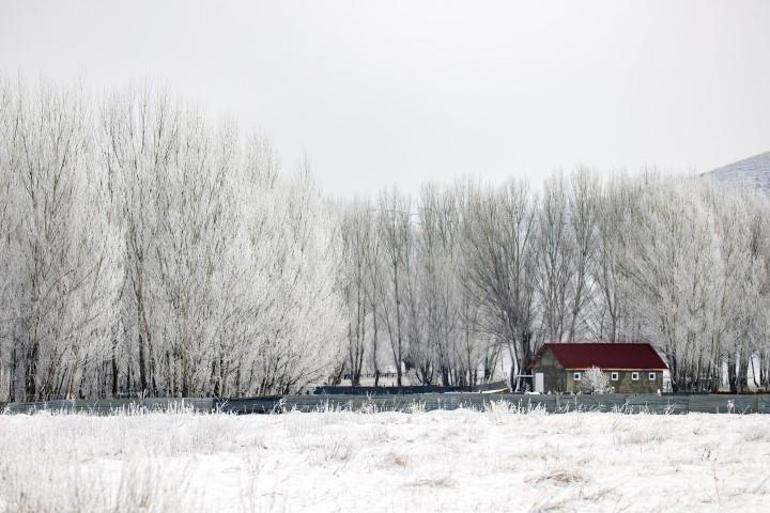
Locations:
column 381, row 93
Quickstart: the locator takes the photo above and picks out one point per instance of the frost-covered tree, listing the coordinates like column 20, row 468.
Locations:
column 395, row 234
column 500, row 257
column 435, row 251
column 289, row 326
column 583, row 201
column 611, row 305
column 356, row 232
column 555, row 259
column 59, row 258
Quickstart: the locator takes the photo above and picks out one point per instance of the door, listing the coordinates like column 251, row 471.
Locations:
column 539, row 383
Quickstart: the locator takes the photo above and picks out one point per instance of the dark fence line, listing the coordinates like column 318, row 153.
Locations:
column 406, row 390
column 112, row 406
column 627, row 403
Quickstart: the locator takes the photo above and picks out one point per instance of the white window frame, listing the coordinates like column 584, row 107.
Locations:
column 652, row 376
column 576, row 376
column 634, row 376
column 614, row 376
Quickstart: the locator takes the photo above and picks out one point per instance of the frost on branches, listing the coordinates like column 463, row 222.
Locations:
column 145, row 250
column 595, row 381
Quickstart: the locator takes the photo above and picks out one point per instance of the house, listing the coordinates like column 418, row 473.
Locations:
column 630, row 367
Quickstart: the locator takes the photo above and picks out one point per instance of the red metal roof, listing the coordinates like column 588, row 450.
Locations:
column 605, row 355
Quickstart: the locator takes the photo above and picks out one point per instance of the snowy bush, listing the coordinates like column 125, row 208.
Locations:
column 595, row 381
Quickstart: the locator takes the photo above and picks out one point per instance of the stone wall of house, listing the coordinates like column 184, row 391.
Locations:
column 554, row 376
column 625, row 384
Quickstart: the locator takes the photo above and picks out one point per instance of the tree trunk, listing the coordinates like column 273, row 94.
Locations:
column 114, row 366
column 30, row 374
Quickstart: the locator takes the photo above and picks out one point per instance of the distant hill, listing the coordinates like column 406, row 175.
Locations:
column 753, row 171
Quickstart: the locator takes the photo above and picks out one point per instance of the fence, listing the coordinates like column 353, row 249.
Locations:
column 406, row 390
column 649, row 403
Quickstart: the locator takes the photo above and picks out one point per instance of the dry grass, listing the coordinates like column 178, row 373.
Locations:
column 560, row 476
column 441, row 482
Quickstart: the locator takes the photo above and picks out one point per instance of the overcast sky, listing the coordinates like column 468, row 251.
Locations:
column 381, row 93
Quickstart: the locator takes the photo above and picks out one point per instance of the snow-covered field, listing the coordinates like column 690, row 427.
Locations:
column 498, row 460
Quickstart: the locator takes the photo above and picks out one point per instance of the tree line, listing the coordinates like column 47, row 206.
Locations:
column 145, row 250
column 457, row 276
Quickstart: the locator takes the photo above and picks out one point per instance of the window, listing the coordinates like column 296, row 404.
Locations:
column 613, row 376
column 576, row 376
column 634, row 376
column 651, row 376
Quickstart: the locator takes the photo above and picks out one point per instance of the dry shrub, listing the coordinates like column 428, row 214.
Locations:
column 335, row 449
column 442, row 482
column 639, row 436
column 398, row 459
column 560, row 476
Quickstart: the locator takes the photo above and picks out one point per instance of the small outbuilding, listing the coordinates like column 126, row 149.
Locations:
column 629, row 367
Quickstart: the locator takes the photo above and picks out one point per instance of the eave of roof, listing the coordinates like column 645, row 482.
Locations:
column 617, row 368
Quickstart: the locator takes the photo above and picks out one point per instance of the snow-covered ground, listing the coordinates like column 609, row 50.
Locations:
column 498, row 460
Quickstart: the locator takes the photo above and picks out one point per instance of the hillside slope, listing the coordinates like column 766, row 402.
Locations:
column 753, row 171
